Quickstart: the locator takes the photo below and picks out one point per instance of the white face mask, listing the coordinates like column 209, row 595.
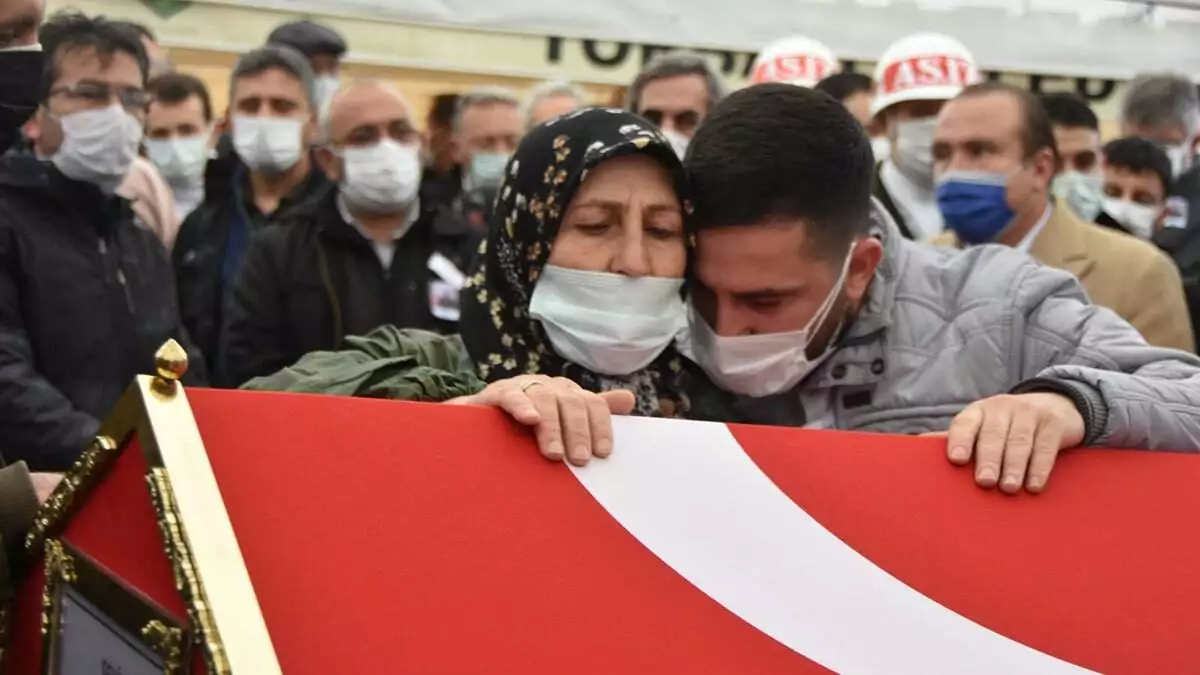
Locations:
column 881, row 147
column 381, row 178
column 610, row 324
column 98, row 146
column 268, row 144
column 679, row 142
column 913, row 152
column 1081, row 191
column 1180, row 156
column 324, row 87
column 1138, row 219
column 760, row 365
column 180, row 160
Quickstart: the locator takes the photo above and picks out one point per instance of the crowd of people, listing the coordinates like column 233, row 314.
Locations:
column 917, row 252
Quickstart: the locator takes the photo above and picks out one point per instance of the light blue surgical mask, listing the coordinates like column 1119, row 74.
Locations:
column 974, row 204
column 485, row 170
column 1081, row 192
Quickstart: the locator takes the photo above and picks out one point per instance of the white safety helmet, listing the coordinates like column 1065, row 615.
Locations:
column 922, row 67
column 795, row 60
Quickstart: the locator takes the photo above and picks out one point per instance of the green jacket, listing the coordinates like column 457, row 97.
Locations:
column 416, row 365
column 389, row 362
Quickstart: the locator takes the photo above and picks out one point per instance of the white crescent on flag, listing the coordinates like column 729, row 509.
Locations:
column 692, row 496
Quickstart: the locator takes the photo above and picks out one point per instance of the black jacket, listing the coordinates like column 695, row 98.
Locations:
column 86, row 299
column 313, row 279
column 880, row 192
column 200, row 248
column 1180, row 238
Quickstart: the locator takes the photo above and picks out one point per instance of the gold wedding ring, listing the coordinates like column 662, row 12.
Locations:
column 529, row 385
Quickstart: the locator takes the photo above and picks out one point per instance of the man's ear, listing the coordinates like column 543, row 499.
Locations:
column 311, row 133
column 864, row 259
column 33, row 126
column 458, row 151
column 329, row 163
column 1045, row 164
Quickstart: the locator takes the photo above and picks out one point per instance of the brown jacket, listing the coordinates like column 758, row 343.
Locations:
column 1121, row 272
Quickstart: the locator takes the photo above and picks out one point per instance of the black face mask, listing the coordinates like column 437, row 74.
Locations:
column 20, row 81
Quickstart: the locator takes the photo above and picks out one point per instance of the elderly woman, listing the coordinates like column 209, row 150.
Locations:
column 578, row 288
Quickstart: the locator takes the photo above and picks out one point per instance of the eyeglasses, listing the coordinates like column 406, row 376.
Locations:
column 96, row 94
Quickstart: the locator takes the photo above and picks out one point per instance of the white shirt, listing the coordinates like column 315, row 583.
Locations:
column 1024, row 244
column 187, row 198
column 917, row 205
column 384, row 250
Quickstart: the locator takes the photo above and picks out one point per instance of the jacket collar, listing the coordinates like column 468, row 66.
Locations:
column 1062, row 243
column 331, row 221
column 859, row 359
column 876, row 312
column 34, row 176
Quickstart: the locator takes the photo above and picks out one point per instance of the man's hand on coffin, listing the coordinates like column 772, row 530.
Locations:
column 1014, row 439
column 570, row 422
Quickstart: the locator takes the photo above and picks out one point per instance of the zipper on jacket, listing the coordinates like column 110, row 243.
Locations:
column 125, row 288
column 102, row 246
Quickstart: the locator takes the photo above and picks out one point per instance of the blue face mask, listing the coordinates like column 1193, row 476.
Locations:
column 486, row 170
column 973, row 205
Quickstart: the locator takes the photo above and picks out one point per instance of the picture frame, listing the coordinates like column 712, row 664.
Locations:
column 93, row 622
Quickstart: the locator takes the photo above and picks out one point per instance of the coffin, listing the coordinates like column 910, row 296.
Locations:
column 234, row 532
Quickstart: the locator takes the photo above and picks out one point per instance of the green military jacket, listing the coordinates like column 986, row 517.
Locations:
column 417, row 365
column 389, row 362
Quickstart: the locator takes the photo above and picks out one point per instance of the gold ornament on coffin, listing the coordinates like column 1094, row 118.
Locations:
column 155, row 417
column 170, row 364
column 167, row 641
column 73, row 578
column 184, row 568
column 62, row 503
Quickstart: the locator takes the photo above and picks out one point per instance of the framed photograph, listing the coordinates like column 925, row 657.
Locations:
column 96, row 625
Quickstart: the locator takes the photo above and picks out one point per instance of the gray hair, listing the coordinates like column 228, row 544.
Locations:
column 551, row 89
column 1162, row 100
column 676, row 64
column 482, row 96
column 276, row 56
column 325, row 116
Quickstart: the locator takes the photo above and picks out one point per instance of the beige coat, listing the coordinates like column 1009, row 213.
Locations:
column 1121, row 272
column 152, row 200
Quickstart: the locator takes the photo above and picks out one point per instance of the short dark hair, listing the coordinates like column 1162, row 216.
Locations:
column 141, row 29
column 178, row 87
column 1139, row 155
column 309, row 38
column 844, row 85
column 781, row 152
column 1037, row 132
column 276, row 57
column 441, row 113
column 1067, row 109
column 69, row 30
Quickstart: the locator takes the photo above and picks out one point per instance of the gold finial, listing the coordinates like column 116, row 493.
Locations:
column 171, row 361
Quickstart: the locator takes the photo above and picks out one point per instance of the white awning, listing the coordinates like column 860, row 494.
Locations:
column 1088, row 38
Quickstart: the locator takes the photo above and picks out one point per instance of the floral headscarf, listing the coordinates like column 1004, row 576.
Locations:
column 539, row 183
